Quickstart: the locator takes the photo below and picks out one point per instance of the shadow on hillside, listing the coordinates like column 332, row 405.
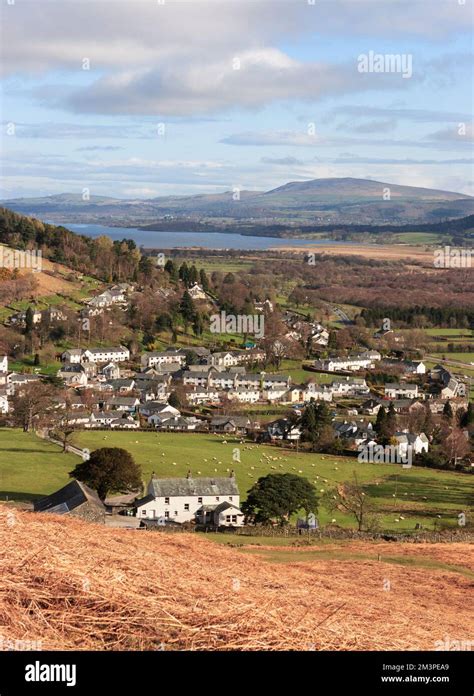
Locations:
column 429, row 491
column 8, row 496
column 24, row 449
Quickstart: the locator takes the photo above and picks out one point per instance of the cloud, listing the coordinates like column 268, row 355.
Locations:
column 99, row 148
column 179, row 58
column 284, row 161
column 446, row 140
column 462, row 133
column 374, row 126
column 68, row 131
column 400, row 114
column 59, row 34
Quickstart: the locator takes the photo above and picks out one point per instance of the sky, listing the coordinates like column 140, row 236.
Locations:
column 143, row 98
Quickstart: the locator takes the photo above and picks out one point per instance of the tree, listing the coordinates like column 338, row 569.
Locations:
column 174, row 400
column 186, row 309
column 33, row 406
column 64, row 430
column 448, row 412
column 467, row 417
column 198, row 324
column 316, row 425
column 380, row 421
column 109, row 469
column 278, row 497
column 29, row 321
column 454, row 445
column 349, row 497
column 204, row 280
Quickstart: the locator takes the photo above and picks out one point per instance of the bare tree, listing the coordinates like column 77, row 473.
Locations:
column 349, row 497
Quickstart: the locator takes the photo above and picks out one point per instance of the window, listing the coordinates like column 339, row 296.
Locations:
column 234, row 518
column 231, row 498
column 167, row 514
column 167, row 501
column 176, row 513
column 199, row 500
column 217, row 498
column 143, row 512
column 186, row 506
column 227, row 517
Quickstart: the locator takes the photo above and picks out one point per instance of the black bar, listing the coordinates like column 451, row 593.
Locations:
column 319, row 672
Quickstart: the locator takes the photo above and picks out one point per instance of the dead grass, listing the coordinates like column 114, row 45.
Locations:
column 75, row 585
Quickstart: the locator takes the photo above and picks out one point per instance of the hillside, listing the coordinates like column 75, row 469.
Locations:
column 318, row 201
column 74, row 585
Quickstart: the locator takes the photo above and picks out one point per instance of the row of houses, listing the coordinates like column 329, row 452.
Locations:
column 359, row 361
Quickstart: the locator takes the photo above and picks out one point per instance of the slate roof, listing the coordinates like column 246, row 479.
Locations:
column 171, row 487
column 67, row 499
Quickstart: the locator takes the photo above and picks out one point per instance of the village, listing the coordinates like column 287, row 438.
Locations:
column 193, row 389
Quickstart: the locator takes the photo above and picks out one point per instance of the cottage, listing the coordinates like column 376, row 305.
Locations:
column 192, row 499
column 230, row 424
column 73, row 375
column 406, row 441
column 400, row 391
column 282, row 429
column 75, row 499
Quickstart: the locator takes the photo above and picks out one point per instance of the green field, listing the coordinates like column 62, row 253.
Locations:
column 29, row 468
column 419, row 237
column 459, row 357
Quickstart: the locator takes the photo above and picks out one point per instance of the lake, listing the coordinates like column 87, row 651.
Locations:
column 207, row 240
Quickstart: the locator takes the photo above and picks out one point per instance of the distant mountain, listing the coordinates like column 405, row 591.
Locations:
column 314, row 202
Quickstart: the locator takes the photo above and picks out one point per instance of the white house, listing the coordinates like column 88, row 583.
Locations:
column 162, row 413
column 222, row 359
column 73, row 374
column 244, row 396
column 3, row 363
column 163, row 357
column 185, row 499
column 401, row 391
column 197, row 293
column 107, row 355
column 203, row 396
column 350, row 387
column 418, row 443
column 317, row 392
column 355, row 362
column 96, row 355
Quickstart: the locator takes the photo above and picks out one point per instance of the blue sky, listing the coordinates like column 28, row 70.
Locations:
column 194, row 97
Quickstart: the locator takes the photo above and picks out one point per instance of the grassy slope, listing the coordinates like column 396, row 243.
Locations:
column 29, row 467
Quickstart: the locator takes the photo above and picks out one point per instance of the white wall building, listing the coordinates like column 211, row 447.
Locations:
column 401, row 391
column 183, row 499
